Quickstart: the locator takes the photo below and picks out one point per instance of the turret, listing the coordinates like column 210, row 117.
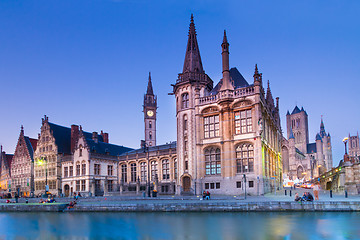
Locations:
column 226, row 84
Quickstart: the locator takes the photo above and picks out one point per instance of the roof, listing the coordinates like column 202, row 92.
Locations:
column 296, row 110
column 153, row 148
column 62, row 137
column 237, row 80
column 318, row 137
column 311, row 148
column 106, row 148
column 299, row 152
column 31, row 145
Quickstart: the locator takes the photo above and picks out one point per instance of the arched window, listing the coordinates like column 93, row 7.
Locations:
column 124, row 173
column 143, row 171
column 77, row 168
column 165, row 169
column 245, row 158
column 150, row 124
column 212, row 161
column 83, row 168
column 150, row 135
column 154, row 170
column 185, row 100
column 133, row 172
column 175, row 168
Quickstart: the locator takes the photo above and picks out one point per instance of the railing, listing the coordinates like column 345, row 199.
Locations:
column 242, row 92
column 182, row 77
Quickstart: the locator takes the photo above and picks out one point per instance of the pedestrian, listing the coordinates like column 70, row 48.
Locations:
column 207, row 195
column 316, row 189
column 16, row 198
column 74, row 195
column 204, row 195
column 297, row 198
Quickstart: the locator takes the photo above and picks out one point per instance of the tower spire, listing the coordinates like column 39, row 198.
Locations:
column 149, row 87
column 322, row 128
column 226, row 84
column 269, row 97
column 192, row 61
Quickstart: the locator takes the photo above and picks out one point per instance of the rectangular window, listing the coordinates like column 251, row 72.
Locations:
column 83, row 186
column 110, row 185
column 110, row 170
column 212, row 185
column 97, row 169
column 77, row 169
column 251, row 184
column 243, row 122
column 71, row 171
column 124, row 173
column 211, row 126
column 238, row 184
column 206, row 185
column 78, row 185
column 66, row 172
column 217, row 185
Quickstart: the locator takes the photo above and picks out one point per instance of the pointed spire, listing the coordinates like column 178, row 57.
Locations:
column 226, row 84
column 288, row 113
column 269, row 97
column 192, row 61
column 149, row 87
column 257, row 75
column 322, row 128
column 22, row 129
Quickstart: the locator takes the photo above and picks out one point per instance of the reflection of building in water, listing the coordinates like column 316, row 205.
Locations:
column 302, row 159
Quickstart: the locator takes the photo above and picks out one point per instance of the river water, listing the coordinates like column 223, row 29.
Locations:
column 197, row 226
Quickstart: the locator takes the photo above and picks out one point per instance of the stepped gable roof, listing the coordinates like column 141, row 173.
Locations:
column 311, row 148
column 153, row 148
column 236, row 79
column 296, row 110
column 62, row 137
column 106, row 148
column 31, row 145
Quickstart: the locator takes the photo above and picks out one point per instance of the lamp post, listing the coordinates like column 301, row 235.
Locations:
column 40, row 162
column 146, row 150
column 346, row 156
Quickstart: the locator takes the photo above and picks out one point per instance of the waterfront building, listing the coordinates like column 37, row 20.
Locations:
column 22, row 166
column 302, row 159
column 5, row 171
column 93, row 168
column 228, row 136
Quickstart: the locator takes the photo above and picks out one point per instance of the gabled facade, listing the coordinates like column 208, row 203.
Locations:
column 93, row 169
column 5, row 172
column 22, row 166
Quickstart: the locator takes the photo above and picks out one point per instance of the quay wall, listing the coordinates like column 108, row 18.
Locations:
column 274, row 206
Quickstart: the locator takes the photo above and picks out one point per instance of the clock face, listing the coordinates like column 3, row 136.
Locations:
column 150, row 113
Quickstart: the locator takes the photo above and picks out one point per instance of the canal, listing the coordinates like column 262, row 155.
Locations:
column 180, row 226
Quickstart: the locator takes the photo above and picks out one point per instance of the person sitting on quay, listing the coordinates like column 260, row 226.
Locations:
column 297, row 198
column 308, row 197
column 207, row 195
column 204, row 195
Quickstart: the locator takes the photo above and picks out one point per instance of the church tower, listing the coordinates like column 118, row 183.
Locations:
column 297, row 122
column 191, row 84
column 149, row 109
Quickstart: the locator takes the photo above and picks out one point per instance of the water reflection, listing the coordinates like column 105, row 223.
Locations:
column 79, row 226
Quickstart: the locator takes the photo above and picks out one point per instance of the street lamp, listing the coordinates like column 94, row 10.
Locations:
column 42, row 161
column 146, row 150
column 345, row 140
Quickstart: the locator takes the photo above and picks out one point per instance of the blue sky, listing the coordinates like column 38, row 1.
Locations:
column 87, row 61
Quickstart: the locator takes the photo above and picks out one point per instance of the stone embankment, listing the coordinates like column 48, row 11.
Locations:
column 184, row 206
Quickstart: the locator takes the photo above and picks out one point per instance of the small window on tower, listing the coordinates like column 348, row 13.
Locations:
column 150, row 124
column 150, row 135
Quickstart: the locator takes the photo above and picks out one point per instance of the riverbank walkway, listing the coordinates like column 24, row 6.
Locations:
column 135, row 203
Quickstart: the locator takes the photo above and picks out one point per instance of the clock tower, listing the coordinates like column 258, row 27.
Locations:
column 149, row 109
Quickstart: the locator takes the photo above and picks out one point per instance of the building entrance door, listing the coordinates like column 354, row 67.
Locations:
column 67, row 190
column 186, row 184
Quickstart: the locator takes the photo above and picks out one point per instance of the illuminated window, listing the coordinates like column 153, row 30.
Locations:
column 133, row 172
column 143, row 171
column 154, row 170
column 244, row 158
column 212, row 161
column 166, row 169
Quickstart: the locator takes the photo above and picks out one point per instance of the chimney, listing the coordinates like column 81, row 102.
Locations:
column 105, row 136
column 95, row 137
column 74, row 136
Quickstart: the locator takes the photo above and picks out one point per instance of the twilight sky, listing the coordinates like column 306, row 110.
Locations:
column 86, row 62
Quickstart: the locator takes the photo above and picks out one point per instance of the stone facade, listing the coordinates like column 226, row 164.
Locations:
column 22, row 166
column 93, row 168
column 5, row 172
column 354, row 148
column 301, row 159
